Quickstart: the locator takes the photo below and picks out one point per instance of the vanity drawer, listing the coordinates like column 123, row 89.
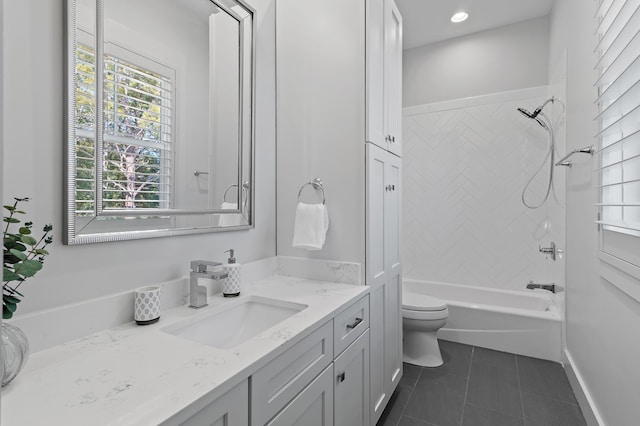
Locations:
column 350, row 324
column 278, row 382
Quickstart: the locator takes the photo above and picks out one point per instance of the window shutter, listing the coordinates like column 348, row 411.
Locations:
column 137, row 135
column 618, row 118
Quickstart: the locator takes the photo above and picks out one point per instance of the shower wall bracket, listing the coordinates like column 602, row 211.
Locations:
column 586, row 150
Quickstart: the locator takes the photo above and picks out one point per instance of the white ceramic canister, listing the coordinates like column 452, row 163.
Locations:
column 147, row 305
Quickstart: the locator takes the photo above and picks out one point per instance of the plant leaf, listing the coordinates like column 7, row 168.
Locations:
column 24, row 230
column 6, row 314
column 11, row 220
column 28, row 268
column 10, row 299
column 42, row 252
column 12, row 244
column 10, row 259
column 10, row 208
column 9, row 275
column 17, row 253
column 11, row 307
column 28, row 240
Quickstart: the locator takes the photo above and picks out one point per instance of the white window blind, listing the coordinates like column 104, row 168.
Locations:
column 618, row 118
column 137, row 135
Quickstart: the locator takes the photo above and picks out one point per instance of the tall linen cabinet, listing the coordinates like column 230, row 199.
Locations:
column 338, row 78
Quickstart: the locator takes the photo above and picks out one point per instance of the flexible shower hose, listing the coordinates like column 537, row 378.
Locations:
column 550, row 153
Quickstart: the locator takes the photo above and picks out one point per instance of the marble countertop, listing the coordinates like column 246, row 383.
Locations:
column 141, row 375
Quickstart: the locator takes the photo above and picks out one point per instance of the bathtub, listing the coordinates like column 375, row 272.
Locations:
column 521, row 322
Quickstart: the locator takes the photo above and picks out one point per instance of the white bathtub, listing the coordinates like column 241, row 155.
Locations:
column 521, row 322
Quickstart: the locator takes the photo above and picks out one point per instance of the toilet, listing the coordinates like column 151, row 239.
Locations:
column 422, row 317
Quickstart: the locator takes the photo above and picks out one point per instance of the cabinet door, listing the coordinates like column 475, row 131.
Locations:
column 376, row 132
column 375, row 218
column 311, row 407
column 351, row 393
column 384, row 275
column 231, row 409
column 393, row 76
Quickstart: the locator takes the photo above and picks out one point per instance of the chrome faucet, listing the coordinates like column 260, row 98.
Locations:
column 198, row 293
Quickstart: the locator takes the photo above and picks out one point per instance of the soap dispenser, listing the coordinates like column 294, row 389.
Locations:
column 231, row 285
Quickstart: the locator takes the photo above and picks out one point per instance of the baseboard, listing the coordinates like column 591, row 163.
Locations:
column 587, row 405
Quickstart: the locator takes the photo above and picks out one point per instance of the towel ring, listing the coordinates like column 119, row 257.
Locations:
column 245, row 188
column 316, row 184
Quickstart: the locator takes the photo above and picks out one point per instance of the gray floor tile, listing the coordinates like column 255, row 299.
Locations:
column 438, row 398
column 495, row 388
column 544, row 378
column 408, row 421
column 540, row 411
column 410, row 374
column 456, row 357
column 478, row 416
column 494, row 358
column 395, row 407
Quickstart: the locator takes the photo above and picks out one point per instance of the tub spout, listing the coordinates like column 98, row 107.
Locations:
column 549, row 287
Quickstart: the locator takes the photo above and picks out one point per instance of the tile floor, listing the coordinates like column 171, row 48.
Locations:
column 481, row 387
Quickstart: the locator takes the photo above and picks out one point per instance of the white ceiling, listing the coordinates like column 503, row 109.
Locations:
column 428, row 21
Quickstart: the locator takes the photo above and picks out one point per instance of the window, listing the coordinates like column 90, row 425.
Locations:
column 137, row 132
column 618, row 120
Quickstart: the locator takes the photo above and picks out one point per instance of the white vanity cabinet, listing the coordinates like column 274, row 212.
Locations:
column 384, row 75
column 311, row 407
column 384, row 274
column 322, row 380
column 351, row 392
column 231, row 409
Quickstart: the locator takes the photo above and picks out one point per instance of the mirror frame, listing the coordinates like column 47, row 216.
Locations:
column 72, row 236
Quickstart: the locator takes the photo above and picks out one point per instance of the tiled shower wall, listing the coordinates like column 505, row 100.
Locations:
column 465, row 163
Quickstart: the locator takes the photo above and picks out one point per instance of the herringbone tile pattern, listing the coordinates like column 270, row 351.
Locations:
column 463, row 221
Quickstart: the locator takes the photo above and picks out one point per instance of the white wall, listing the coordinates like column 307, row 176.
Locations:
column 497, row 60
column 465, row 165
column 33, row 166
column 602, row 322
column 321, row 121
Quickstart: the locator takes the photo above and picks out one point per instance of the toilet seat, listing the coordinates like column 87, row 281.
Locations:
column 425, row 315
column 421, row 302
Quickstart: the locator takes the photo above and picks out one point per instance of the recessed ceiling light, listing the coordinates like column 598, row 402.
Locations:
column 459, row 17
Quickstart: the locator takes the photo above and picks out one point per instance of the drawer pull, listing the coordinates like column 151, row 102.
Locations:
column 341, row 377
column 355, row 324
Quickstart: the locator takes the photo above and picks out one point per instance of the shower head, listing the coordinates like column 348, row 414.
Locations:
column 534, row 115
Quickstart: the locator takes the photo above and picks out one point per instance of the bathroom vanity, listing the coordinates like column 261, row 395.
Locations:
column 134, row 375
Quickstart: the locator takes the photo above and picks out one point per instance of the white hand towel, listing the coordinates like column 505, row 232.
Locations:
column 311, row 225
column 230, row 219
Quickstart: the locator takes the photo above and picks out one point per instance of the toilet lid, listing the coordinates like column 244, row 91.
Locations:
column 421, row 302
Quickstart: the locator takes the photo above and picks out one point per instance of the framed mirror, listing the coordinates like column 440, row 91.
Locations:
column 160, row 118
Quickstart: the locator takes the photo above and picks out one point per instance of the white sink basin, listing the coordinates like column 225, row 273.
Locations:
column 231, row 324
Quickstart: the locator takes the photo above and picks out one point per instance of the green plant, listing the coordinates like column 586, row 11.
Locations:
column 23, row 256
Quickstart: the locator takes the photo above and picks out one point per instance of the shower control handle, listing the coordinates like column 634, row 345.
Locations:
column 551, row 251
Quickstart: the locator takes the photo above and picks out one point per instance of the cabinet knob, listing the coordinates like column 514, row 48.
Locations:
column 392, row 138
column 341, row 377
